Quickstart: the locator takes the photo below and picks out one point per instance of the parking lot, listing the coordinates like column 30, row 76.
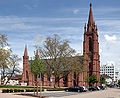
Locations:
column 108, row 93
column 60, row 93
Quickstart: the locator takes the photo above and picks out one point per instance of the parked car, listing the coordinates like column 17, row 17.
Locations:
column 84, row 88
column 102, row 87
column 97, row 87
column 92, row 88
column 75, row 89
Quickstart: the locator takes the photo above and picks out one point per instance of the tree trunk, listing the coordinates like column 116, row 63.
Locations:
column 55, row 85
column 34, row 88
column 37, row 87
column 41, row 89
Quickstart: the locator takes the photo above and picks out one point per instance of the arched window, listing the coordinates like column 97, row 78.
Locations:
column 26, row 75
column 89, row 66
column 90, row 44
column 75, row 79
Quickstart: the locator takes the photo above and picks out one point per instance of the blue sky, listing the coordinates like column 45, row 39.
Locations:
column 31, row 21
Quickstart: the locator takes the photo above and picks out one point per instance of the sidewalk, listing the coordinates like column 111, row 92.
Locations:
column 11, row 95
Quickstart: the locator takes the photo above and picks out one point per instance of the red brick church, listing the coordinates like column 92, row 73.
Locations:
column 90, row 48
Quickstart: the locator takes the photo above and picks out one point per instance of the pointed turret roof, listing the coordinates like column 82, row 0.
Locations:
column 90, row 20
column 37, row 52
column 25, row 52
column 37, row 56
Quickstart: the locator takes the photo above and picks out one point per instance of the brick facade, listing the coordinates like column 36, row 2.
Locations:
column 90, row 48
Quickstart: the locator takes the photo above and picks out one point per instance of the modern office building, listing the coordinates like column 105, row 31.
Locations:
column 108, row 69
column 116, row 77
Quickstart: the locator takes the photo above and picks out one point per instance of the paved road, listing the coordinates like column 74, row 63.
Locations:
column 109, row 93
column 60, row 94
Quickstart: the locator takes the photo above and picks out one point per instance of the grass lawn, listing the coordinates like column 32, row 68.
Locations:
column 27, row 87
column 6, row 86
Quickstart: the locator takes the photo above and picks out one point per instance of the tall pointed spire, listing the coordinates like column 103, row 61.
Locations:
column 25, row 52
column 37, row 56
column 90, row 20
column 37, row 52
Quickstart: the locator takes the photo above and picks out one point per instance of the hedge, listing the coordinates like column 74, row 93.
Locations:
column 12, row 90
column 30, row 90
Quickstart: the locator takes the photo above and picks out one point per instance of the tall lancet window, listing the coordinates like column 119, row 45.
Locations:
column 90, row 44
column 26, row 75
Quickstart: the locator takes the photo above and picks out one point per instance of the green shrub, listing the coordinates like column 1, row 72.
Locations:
column 21, row 90
column 15, row 90
column 29, row 90
column 7, row 91
column 4, row 91
column 11, row 91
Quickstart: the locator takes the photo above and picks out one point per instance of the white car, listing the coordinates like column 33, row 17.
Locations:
column 85, row 89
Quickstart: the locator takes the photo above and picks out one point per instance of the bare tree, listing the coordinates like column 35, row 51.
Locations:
column 4, row 53
column 13, row 67
column 3, row 40
column 9, row 64
column 59, row 58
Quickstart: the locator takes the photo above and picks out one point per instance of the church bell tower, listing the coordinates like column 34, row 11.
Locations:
column 91, row 47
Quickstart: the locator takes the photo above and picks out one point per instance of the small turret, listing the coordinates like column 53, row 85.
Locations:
column 37, row 56
column 85, row 28
column 96, row 28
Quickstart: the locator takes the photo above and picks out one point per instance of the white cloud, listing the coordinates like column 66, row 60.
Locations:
column 20, row 26
column 110, row 38
column 75, row 11
column 7, row 48
column 110, row 62
column 100, row 51
column 39, row 39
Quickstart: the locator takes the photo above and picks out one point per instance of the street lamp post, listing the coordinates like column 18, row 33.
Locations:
column 40, row 86
column 0, row 76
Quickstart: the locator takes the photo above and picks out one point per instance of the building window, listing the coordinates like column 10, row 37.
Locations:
column 89, row 67
column 26, row 75
column 90, row 44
